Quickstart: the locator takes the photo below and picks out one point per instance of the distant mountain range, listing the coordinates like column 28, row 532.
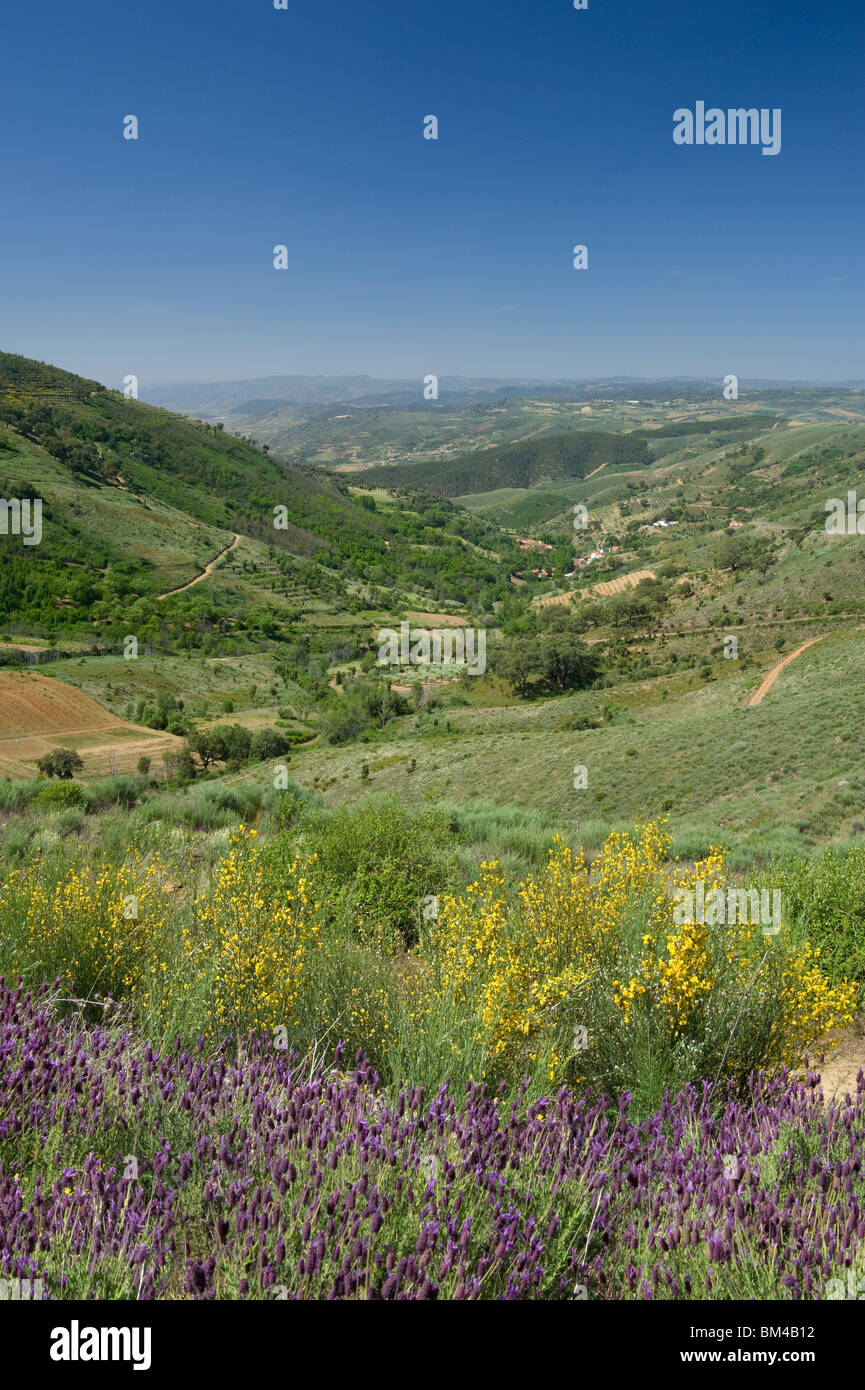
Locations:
column 264, row 395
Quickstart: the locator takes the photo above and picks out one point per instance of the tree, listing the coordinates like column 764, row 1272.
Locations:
column 180, row 765
column 238, row 742
column 517, row 662
column 209, row 744
column 566, row 664
column 733, row 553
column 343, row 720
column 62, row 763
column 268, row 743
column 143, row 766
column 384, row 702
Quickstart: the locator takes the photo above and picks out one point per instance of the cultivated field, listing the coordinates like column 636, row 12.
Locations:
column 39, row 714
column 606, row 589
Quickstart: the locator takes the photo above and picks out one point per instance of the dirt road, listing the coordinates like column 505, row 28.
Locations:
column 771, row 676
column 841, row 1068
column 208, row 569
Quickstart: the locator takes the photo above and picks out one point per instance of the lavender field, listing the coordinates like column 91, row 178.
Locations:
column 130, row 1174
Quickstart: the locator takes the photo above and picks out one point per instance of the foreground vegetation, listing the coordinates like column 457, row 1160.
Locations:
column 358, row 927
column 130, row 1172
column 366, row 984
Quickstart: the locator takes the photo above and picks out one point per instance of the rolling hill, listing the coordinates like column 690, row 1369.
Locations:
column 137, row 503
column 161, row 526
column 552, row 458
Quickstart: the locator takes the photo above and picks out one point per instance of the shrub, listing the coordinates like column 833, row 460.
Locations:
column 17, row 840
column 119, row 790
column 600, row 951
column 294, row 804
column 579, row 722
column 825, row 896
column 14, row 796
column 59, row 795
column 70, row 923
column 252, row 938
column 243, row 801
column 268, row 743
column 344, row 720
column 377, row 861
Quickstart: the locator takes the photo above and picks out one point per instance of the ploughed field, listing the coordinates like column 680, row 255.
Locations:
column 39, row 714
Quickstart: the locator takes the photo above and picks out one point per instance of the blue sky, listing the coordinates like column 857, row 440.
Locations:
column 408, row 256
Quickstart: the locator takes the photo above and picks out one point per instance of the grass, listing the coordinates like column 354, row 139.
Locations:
column 762, row 781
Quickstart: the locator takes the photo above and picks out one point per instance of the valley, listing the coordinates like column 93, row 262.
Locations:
column 280, row 624
column 404, row 760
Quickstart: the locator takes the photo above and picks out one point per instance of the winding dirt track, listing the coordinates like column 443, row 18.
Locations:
column 208, row 569
column 771, row 676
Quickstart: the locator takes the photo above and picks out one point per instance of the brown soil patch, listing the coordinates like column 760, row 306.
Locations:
column 554, row 600
column 624, row 581
column 605, row 589
column 440, row 619
column 842, row 1066
column 39, row 714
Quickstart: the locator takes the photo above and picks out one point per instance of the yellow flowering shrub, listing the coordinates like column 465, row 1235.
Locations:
column 582, row 973
column 101, row 930
column 681, row 972
column 687, row 963
column 253, row 938
column 575, row 940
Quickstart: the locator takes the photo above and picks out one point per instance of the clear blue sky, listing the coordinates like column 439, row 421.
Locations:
column 409, row 256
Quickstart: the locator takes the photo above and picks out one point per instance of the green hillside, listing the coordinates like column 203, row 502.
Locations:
column 137, row 502
column 608, row 648
column 521, row 465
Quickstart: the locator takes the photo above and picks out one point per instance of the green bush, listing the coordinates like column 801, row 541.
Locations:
column 294, row 804
column 119, row 790
column 824, row 898
column 17, row 840
column 268, row 743
column 376, row 862
column 59, row 795
column 344, row 721
column 243, row 801
column 14, row 796
column 579, row 722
